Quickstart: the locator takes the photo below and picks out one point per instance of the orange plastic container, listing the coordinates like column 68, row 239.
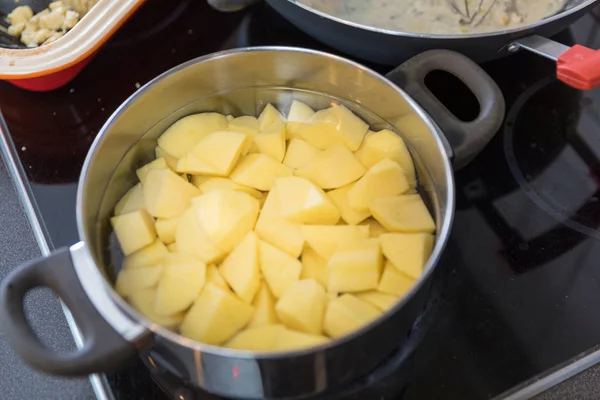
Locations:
column 54, row 65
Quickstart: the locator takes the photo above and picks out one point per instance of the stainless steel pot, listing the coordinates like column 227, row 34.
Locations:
column 577, row 66
column 242, row 81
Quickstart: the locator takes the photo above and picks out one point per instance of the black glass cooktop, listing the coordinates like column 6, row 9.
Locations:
column 519, row 283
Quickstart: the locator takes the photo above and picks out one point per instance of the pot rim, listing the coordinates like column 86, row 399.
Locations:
column 520, row 30
column 440, row 242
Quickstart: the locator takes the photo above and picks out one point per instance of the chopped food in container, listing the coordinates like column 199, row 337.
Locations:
column 55, row 51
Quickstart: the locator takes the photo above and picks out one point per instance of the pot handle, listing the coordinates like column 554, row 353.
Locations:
column 577, row 66
column 466, row 138
column 103, row 350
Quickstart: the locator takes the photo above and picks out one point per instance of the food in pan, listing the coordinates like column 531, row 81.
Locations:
column 440, row 16
column 272, row 233
column 48, row 25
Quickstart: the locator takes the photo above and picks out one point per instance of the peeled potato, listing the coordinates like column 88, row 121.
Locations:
column 277, row 231
column 133, row 200
column 130, row 280
column 264, row 307
column 134, row 230
column 326, row 239
column 346, row 314
column 259, row 171
column 302, row 305
column 268, row 116
column 394, row 282
column 220, row 150
column 216, row 316
column 167, row 195
column 405, row 213
column 385, row 178
column 355, row 266
column 271, row 141
column 260, row 338
column 333, row 168
column 218, row 258
column 226, row 216
column 299, row 153
column 408, row 252
column 182, row 280
column 302, row 202
column 187, row 132
column 148, row 256
column 241, row 269
column 386, row 144
column 314, row 266
column 143, row 171
column 279, row 269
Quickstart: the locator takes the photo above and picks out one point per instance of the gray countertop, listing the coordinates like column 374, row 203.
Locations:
column 17, row 244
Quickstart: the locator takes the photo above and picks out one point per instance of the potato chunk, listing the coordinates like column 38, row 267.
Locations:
column 166, row 229
column 313, row 266
column 226, row 216
column 321, row 135
column 382, row 301
column 220, row 150
column 292, row 340
column 226, row 184
column 264, row 307
column 339, row 197
column 133, row 200
column 302, row 305
column 246, row 124
column 130, row 280
column 134, row 230
column 299, row 112
column 166, row 194
column 182, row 280
column 386, row 144
column 216, row 316
column 408, row 252
column 405, row 213
column 385, row 178
column 143, row 171
column 355, row 266
column 333, row 168
column 299, row 154
column 192, row 238
column 148, row 256
column 268, row 116
column 241, row 268
column 346, row 314
column 302, row 202
column 159, row 152
column 261, row 338
column 394, row 282
column 351, row 127
column 187, row 132
column 274, row 229
column 325, row 239
column 213, row 275
column 271, row 141
column 259, row 171
column 143, row 301
column 278, row 268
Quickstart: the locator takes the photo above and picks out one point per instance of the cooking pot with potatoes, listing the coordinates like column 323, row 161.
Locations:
column 353, row 179
column 389, row 32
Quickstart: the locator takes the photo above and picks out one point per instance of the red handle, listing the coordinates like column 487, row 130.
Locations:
column 579, row 67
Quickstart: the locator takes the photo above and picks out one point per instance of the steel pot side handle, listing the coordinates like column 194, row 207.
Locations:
column 104, row 349
column 467, row 139
column 577, row 66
